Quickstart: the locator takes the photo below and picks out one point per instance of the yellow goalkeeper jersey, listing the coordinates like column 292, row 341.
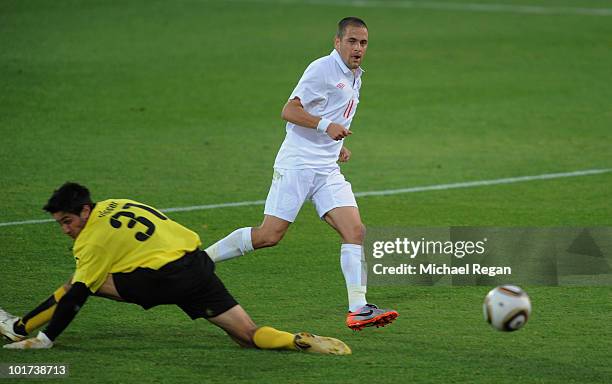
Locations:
column 122, row 235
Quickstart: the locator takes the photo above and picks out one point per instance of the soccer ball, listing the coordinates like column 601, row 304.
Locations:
column 507, row 308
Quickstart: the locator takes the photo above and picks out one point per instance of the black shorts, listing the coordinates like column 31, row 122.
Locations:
column 189, row 282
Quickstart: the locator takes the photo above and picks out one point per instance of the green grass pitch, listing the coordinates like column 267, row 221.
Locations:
column 178, row 104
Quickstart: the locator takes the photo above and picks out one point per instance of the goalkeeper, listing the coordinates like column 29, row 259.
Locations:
column 128, row 251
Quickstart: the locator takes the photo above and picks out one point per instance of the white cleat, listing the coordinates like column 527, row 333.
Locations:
column 6, row 326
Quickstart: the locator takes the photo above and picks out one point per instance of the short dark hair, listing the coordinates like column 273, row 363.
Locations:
column 349, row 21
column 70, row 197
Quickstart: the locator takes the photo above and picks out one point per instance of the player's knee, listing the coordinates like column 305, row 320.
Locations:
column 355, row 234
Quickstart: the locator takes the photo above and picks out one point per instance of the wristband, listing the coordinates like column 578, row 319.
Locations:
column 323, row 124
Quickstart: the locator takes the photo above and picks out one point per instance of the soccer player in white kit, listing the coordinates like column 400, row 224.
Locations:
column 318, row 114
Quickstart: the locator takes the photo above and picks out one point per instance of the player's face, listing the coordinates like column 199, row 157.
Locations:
column 72, row 224
column 353, row 45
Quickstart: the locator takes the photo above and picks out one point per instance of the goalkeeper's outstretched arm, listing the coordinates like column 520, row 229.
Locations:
column 65, row 311
column 42, row 314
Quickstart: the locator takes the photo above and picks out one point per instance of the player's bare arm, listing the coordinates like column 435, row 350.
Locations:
column 68, row 283
column 294, row 112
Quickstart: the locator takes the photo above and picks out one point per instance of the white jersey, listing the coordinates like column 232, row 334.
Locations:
column 328, row 89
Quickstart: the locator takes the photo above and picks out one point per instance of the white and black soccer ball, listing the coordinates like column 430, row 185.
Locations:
column 507, row 308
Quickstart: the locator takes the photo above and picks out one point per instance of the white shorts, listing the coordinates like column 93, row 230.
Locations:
column 292, row 187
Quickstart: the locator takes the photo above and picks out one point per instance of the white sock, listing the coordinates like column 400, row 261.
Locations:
column 235, row 244
column 352, row 262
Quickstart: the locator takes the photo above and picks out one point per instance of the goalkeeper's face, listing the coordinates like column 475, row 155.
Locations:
column 72, row 224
